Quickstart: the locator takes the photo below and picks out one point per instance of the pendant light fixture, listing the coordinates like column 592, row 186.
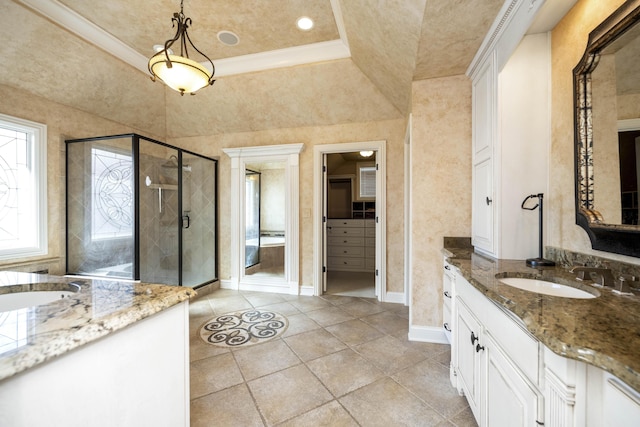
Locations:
column 178, row 71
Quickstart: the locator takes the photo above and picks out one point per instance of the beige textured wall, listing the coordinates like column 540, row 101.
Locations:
column 62, row 123
column 568, row 41
column 40, row 57
column 441, row 185
column 392, row 131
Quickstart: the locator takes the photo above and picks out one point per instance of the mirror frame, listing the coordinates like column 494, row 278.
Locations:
column 621, row 239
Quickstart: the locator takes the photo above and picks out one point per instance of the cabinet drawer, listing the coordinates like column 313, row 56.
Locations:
column 346, row 232
column 345, row 241
column 357, row 223
column 370, row 241
column 370, row 232
column 370, row 252
column 370, row 223
column 370, row 264
column 346, row 262
column 446, row 321
column 449, row 270
column 346, row 251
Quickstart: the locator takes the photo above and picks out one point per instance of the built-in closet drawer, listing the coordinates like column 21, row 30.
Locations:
column 370, row 264
column 358, row 223
column 370, row 252
column 348, row 263
column 336, row 231
column 347, row 247
column 348, row 251
column 346, row 241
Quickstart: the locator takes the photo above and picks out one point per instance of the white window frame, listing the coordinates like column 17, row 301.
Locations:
column 367, row 166
column 37, row 132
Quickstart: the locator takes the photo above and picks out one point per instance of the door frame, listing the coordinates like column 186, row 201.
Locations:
column 240, row 157
column 319, row 151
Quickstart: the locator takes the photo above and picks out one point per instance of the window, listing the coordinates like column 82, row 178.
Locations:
column 112, row 194
column 366, row 181
column 23, row 185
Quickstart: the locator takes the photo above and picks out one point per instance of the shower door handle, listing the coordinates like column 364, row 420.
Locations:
column 186, row 218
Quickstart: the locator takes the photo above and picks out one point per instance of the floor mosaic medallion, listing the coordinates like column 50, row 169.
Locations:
column 243, row 328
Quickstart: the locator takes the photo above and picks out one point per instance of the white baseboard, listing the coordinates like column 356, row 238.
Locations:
column 266, row 287
column 228, row 284
column 276, row 289
column 306, row 291
column 427, row 334
column 394, row 297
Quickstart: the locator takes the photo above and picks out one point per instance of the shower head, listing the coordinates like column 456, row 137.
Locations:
column 171, row 163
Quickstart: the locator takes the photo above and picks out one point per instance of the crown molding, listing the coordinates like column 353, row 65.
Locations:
column 298, row 55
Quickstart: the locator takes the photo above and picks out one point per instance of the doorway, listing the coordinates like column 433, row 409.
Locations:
column 349, row 219
column 278, row 218
column 350, row 226
column 265, row 236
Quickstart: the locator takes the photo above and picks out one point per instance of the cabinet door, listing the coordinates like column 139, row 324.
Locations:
column 467, row 359
column 482, row 208
column 620, row 403
column 484, row 116
column 509, row 397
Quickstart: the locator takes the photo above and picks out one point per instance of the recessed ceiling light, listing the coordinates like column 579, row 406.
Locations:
column 228, row 38
column 304, row 23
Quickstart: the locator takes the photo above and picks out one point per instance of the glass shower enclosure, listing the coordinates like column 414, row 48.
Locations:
column 140, row 209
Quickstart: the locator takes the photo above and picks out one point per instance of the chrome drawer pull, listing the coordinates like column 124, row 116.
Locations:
column 447, row 294
column 446, row 326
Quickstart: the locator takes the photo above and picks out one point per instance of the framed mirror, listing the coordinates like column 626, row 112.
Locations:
column 607, row 126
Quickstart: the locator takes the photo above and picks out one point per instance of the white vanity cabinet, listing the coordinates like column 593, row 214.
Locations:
column 511, row 379
column 577, row 394
column 495, row 362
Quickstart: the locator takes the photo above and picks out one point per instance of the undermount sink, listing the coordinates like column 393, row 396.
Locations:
column 546, row 288
column 24, row 296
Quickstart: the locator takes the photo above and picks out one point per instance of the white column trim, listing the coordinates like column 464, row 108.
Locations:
column 240, row 157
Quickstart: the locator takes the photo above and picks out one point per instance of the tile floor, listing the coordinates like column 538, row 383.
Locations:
column 343, row 361
column 351, row 283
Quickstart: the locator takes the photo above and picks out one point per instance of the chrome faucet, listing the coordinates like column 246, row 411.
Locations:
column 600, row 276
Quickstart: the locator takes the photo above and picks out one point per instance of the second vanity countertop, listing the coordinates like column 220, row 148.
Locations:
column 37, row 334
column 603, row 331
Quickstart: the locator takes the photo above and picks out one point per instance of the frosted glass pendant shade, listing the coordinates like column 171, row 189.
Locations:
column 184, row 76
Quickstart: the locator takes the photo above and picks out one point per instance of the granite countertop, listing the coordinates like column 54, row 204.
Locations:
column 34, row 335
column 603, row 331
